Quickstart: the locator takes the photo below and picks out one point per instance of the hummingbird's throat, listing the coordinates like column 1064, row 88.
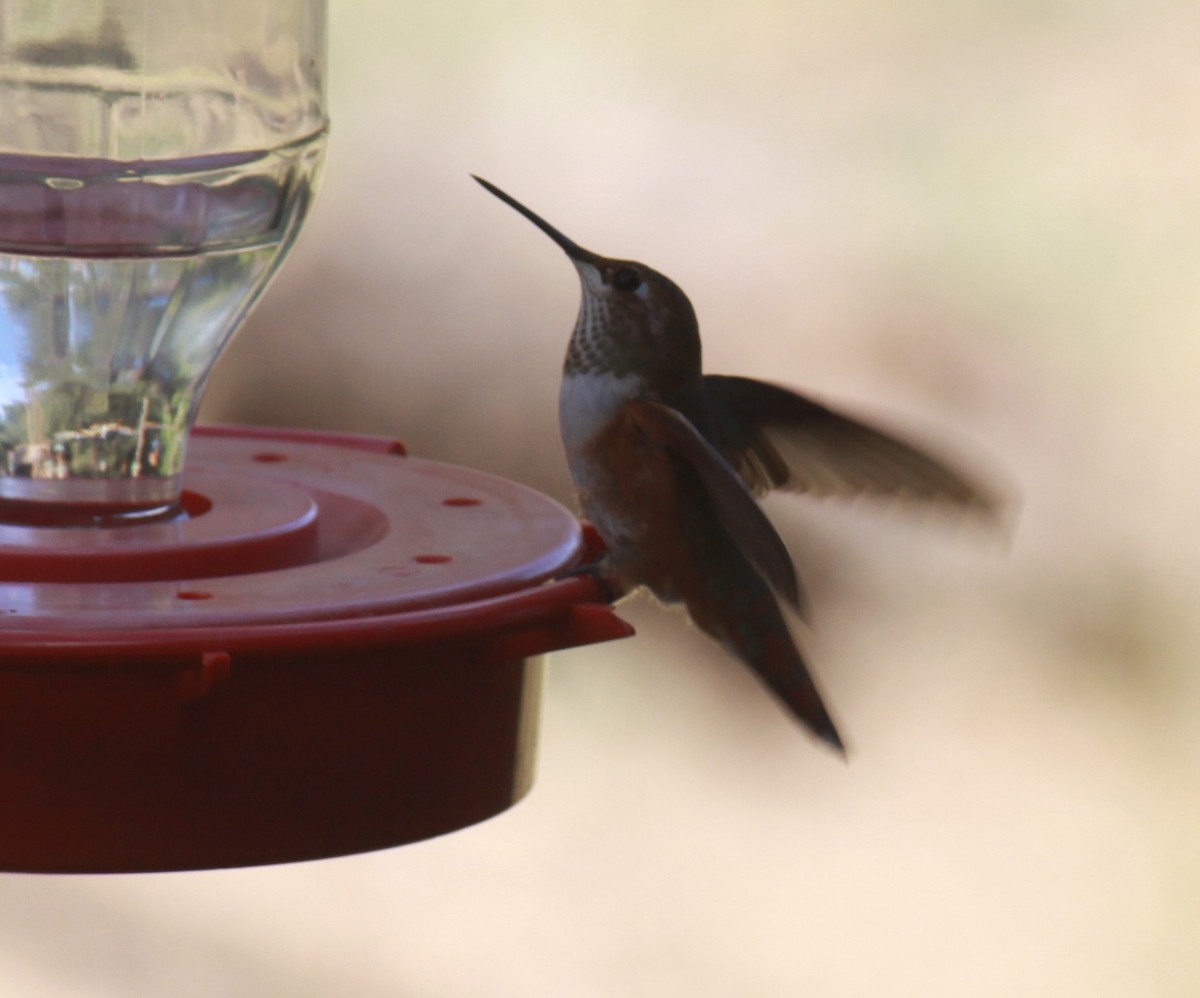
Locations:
column 594, row 347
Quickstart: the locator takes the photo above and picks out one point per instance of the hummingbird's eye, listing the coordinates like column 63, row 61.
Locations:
column 626, row 279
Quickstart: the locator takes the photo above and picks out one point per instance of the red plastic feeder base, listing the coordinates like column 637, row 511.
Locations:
column 335, row 648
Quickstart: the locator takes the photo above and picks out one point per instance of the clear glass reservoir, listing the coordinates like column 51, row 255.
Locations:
column 157, row 158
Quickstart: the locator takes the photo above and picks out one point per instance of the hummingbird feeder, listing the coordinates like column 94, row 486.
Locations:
column 295, row 644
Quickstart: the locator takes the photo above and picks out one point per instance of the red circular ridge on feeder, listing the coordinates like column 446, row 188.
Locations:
column 229, row 525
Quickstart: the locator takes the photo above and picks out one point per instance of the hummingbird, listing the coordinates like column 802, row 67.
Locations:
column 668, row 462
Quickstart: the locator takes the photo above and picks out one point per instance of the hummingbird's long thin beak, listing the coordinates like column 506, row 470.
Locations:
column 569, row 246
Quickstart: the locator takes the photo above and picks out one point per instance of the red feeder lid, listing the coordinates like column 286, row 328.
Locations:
column 331, row 649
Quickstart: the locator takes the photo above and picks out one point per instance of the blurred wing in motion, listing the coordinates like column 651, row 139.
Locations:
column 777, row 439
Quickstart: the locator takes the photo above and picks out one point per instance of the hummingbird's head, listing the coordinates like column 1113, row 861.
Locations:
column 632, row 319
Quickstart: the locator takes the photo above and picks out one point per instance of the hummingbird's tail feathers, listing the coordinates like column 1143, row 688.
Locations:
column 749, row 623
column 735, row 507
column 778, row 439
column 780, row 665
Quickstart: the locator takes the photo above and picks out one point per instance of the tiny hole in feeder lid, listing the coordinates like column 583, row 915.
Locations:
column 432, row 559
column 194, row 504
column 461, row 501
column 193, row 594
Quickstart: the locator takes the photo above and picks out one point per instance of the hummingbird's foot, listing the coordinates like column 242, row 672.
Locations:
column 611, row 591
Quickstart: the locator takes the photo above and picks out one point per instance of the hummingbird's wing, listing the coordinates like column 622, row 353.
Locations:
column 735, row 507
column 777, row 439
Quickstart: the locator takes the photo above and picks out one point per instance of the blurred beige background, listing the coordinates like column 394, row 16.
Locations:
column 979, row 219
